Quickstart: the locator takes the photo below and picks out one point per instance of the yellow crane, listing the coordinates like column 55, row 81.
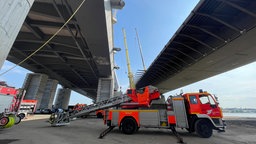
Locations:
column 130, row 74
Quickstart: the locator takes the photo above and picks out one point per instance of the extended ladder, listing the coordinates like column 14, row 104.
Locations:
column 63, row 118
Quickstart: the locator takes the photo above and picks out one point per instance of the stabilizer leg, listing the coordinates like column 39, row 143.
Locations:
column 105, row 132
column 179, row 138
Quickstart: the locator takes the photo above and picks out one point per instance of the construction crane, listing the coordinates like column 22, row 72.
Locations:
column 139, row 73
column 130, row 74
column 140, row 50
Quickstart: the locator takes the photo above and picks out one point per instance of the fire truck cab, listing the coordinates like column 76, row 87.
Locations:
column 197, row 112
column 202, row 113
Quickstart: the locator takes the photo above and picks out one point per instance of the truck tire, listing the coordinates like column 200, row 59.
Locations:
column 203, row 128
column 17, row 119
column 10, row 123
column 3, row 121
column 129, row 125
column 22, row 115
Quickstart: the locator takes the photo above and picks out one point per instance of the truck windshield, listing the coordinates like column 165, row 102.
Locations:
column 206, row 99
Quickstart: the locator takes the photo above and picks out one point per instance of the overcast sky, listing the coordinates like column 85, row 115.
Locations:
column 156, row 21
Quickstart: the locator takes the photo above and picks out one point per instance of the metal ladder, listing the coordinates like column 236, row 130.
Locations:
column 63, row 118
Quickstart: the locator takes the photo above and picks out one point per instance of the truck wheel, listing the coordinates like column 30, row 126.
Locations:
column 3, row 121
column 10, row 123
column 203, row 128
column 17, row 119
column 129, row 126
column 22, row 115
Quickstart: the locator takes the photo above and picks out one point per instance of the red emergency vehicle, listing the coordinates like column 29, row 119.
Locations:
column 10, row 100
column 197, row 112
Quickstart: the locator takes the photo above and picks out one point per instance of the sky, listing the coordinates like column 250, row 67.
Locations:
column 156, row 22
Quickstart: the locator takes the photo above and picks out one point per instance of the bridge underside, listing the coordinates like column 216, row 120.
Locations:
column 216, row 37
column 78, row 56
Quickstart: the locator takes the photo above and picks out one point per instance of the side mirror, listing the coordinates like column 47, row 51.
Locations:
column 216, row 98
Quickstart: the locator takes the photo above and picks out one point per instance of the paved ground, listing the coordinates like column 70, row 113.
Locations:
column 86, row 131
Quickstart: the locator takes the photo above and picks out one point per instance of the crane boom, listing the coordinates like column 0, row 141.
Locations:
column 130, row 74
column 140, row 50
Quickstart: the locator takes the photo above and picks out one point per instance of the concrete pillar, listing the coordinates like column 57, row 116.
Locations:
column 109, row 90
column 117, row 91
column 48, row 94
column 116, row 84
column 12, row 16
column 106, row 85
column 105, row 89
column 34, row 85
column 62, row 98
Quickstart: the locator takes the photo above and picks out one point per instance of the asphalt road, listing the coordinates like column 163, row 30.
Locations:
column 86, row 131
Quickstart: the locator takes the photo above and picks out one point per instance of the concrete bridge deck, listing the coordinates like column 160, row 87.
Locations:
column 80, row 54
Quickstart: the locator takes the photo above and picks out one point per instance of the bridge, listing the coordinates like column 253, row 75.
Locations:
column 216, row 37
column 80, row 54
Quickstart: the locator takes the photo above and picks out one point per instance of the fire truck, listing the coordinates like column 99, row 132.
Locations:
column 10, row 100
column 78, row 107
column 197, row 112
column 28, row 106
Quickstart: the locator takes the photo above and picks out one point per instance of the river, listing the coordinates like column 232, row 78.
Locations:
column 253, row 115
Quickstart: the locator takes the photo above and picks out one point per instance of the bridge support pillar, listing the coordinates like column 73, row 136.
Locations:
column 105, row 89
column 48, row 94
column 12, row 15
column 117, row 91
column 62, row 99
column 34, row 85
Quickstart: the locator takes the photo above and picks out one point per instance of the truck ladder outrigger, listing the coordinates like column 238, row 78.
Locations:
column 61, row 117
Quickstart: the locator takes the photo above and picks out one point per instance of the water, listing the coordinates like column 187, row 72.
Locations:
column 253, row 115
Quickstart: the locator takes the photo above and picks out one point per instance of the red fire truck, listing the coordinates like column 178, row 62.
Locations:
column 197, row 112
column 28, row 106
column 10, row 100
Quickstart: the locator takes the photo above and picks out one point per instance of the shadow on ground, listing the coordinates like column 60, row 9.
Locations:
column 7, row 141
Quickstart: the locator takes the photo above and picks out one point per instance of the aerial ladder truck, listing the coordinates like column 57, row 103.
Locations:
column 197, row 112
